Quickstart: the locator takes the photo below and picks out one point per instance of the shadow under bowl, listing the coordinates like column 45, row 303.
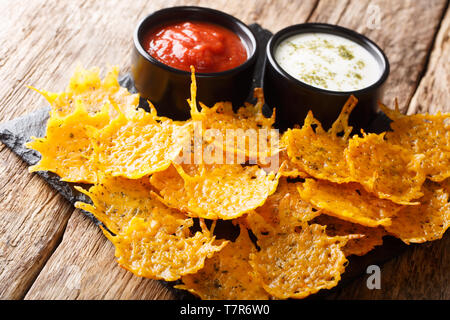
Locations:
column 293, row 98
column 168, row 88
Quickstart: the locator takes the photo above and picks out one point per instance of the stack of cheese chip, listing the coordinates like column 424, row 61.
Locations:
column 332, row 194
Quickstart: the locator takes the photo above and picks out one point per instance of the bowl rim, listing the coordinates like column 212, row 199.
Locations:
column 252, row 52
column 368, row 44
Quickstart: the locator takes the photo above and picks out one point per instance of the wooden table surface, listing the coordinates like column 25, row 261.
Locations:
column 49, row 250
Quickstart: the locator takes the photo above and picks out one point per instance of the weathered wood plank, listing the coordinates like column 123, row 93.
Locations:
column 84, row 267
column 433, row 92
column 420, row 273
column 32, row 222
column 95, row 33
column 403, row 29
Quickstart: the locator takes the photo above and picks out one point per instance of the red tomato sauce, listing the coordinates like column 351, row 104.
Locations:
column 206, row 46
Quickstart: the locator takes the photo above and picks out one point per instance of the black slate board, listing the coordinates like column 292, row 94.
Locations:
column 15, row 133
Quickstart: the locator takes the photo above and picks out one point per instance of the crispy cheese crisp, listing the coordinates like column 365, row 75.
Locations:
column 67, row 149
column 148, row 250
column 389, row 171
column 227, row 275
column 151, row 239
column 338, row 196
column 221, row 191
column 348, row 202
column 427, row 221
column 117, row 200
column 246, row 134
column 318, row 152
column 297, row 264
column 140, row 145
column 86, row 85
column 285, row 208
column 288, row 168
column 356, row 246
column 222, row 116
column 423, row 134
column 167, row 179
column 261, row 226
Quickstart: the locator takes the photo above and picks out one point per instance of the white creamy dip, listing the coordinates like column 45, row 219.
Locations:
column 328, row 61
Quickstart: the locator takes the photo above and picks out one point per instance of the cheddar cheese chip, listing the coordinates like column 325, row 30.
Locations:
column 423, row 134
column 220, row 191
column 227, row 275
column 297, row 264
column 318, row 152
column 140, row 145
column 67, row 149
column 167, row 179
column 117, row 200
column 86, row 85
column 338, row 196
column 245, row 134
column 427, row 221
column 151, row 240
column 348, row 202
column 356, row 246
column 222, row 116
column 285, row 208
column 387, row 170
column 261, row 225
column 147, row 250
column 288, row 168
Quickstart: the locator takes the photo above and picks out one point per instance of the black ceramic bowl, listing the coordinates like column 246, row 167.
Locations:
column 168, row 88
column 293, row 98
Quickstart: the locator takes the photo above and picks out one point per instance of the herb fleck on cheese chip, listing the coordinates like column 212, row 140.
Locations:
column 227, row 275
column 297, row 264
column 285, row 208
column 423, row 134
column 318, row 152
column 148, row 250
column 220, row 191
column 348, row 202
column 140, row 145
column 67, row 149
column 356, row 246
column 117, row 200
column 427, row 221
column 389, row 171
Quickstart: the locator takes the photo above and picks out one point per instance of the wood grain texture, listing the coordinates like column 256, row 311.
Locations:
column 84, row 267
column 33, row 218
column 433, row 92
column 41, row 43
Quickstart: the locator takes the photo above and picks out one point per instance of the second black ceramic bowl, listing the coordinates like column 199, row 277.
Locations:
column 168, row 88
column 292, row 98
